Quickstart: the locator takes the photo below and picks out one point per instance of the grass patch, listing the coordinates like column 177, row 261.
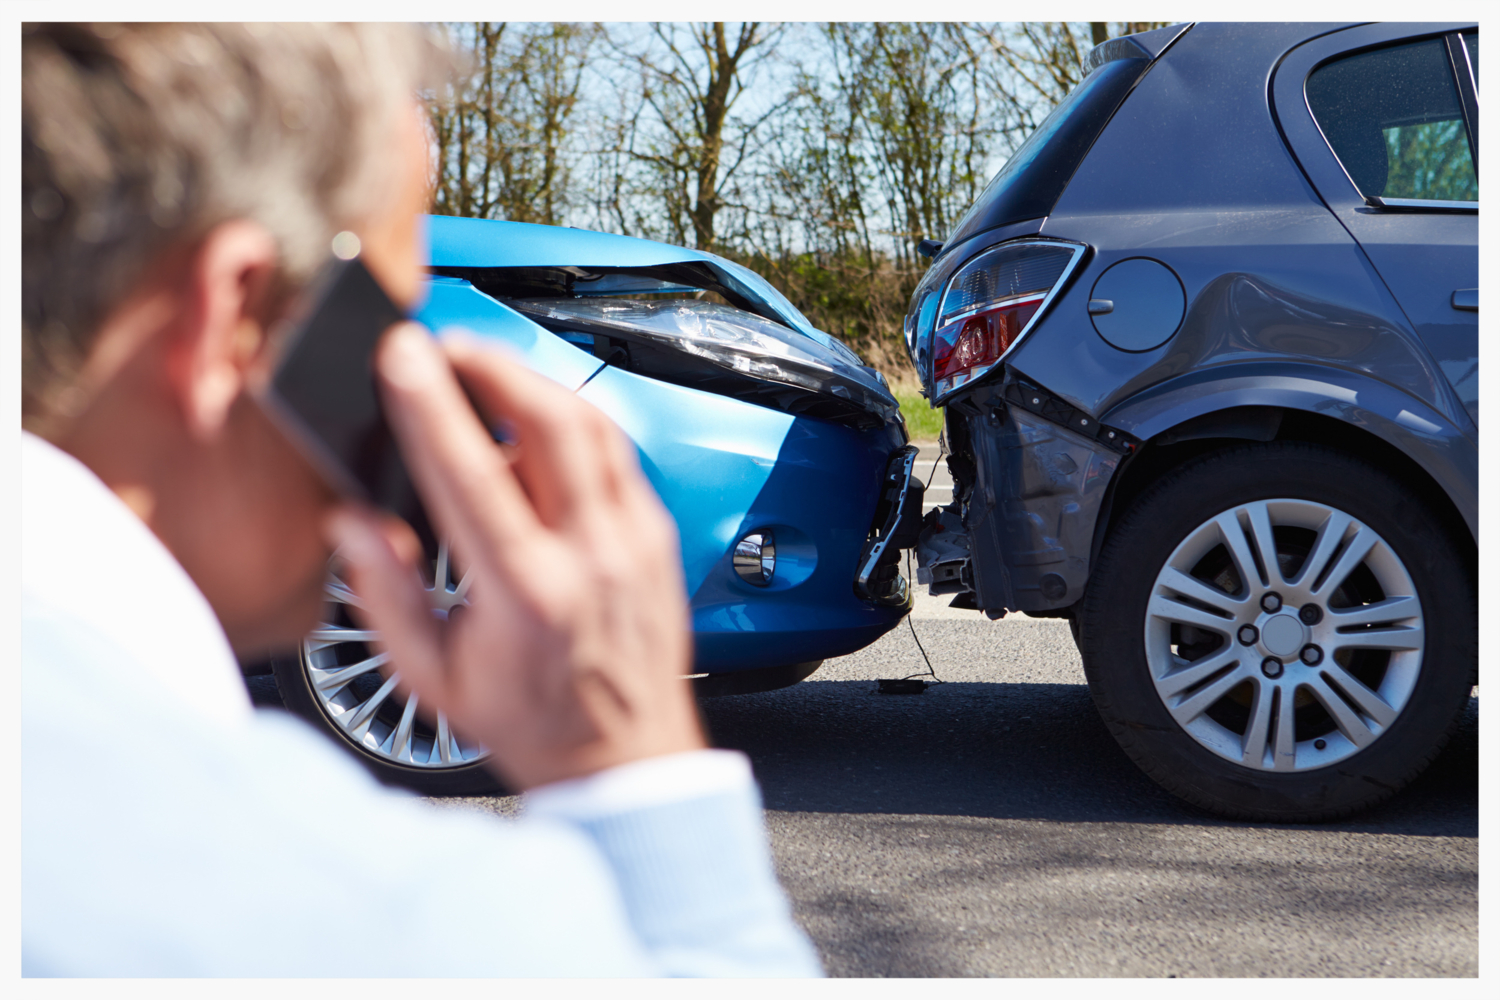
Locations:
column 923, row 423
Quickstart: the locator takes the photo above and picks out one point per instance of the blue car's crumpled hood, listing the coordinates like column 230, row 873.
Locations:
column 534, row 269
column 456, row 242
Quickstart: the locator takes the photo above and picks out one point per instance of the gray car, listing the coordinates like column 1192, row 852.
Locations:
column 1208, row 351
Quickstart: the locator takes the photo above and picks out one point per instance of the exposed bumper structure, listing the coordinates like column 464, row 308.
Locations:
column 1030, row 476
column 897, row 522
column 943, row 562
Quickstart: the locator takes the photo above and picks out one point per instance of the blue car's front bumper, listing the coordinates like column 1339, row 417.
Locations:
column 725, row 468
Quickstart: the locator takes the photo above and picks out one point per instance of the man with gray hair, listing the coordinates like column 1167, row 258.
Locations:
column 181, row 185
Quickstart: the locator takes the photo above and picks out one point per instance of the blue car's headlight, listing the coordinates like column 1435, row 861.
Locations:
column 722, row 349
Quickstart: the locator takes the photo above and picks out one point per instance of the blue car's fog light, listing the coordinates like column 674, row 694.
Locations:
column 755, row 558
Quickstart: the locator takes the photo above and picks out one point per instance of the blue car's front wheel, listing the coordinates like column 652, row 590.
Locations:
column 337, row 682
column 340, row 684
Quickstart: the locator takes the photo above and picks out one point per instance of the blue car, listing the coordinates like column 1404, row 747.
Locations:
column 1208, row 349
column 782, row 457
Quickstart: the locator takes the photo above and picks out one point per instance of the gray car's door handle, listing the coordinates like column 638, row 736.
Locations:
column 1466, row 299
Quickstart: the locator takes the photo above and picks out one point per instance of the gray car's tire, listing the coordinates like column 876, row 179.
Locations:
column 1224, row 689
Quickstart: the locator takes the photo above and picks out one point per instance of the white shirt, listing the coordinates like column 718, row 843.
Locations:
column 170, row 829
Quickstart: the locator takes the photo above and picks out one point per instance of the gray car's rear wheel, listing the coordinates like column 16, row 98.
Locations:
column 1281, row 632
column 335, row 682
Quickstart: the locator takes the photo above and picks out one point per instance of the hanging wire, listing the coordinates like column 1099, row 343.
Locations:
column 942, row 450
column 930, row 672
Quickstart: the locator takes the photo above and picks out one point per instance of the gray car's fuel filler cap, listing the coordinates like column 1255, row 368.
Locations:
column 1137, row 304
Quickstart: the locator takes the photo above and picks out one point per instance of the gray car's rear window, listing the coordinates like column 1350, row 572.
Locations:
column 1032, row 180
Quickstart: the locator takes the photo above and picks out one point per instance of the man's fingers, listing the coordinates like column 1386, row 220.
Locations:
column 468, row 488
column 392, row 599
column 560, row 457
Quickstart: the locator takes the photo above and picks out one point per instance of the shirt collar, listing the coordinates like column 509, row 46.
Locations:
column 86, row 556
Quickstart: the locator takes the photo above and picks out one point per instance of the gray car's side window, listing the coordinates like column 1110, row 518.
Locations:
column 1395, row 120
column 1471, row 43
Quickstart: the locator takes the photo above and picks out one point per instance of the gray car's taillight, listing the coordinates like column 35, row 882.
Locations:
column 992, row 302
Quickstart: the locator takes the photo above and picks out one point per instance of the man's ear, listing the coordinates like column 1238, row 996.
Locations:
column 222, row 324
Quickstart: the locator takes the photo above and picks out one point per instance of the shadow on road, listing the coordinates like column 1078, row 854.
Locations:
column 1008, row 751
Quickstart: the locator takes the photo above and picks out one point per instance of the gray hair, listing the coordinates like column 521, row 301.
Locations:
column 140, row 138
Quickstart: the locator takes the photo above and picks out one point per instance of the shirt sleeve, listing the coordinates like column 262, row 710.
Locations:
column 685, row 837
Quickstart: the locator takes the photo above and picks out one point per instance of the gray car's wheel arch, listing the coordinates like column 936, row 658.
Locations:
column 1293, row 401
column 1216, row 429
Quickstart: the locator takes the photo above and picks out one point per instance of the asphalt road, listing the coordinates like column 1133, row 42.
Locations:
column 991, row 827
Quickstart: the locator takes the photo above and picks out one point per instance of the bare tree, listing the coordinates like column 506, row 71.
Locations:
column 555, row 60
column 1103, row 31
column 886, row 137
column 462, row 119
column 691, row 77
column 811, row 232
column 1049, row 58
column 501, row 129
column 920, row 129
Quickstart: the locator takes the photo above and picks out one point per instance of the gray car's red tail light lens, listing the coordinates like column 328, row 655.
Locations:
column 991, row 303
column 984, row 337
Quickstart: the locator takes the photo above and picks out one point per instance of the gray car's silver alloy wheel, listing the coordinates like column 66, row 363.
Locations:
column 1284, row 635
column 344, row 677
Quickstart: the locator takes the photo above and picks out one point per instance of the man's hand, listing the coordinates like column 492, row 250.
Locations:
column 571, row 655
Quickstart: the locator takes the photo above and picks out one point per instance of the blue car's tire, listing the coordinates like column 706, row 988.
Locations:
column 298, row 695
column 344, row 688
column 1293, row 692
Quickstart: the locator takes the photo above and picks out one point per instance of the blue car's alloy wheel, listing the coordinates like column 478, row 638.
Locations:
column 1281, row 632
column 336, row 683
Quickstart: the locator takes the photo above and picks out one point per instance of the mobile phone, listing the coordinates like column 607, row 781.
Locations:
column 323, row 396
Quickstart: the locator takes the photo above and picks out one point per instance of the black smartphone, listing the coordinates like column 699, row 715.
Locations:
column 323, row 396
